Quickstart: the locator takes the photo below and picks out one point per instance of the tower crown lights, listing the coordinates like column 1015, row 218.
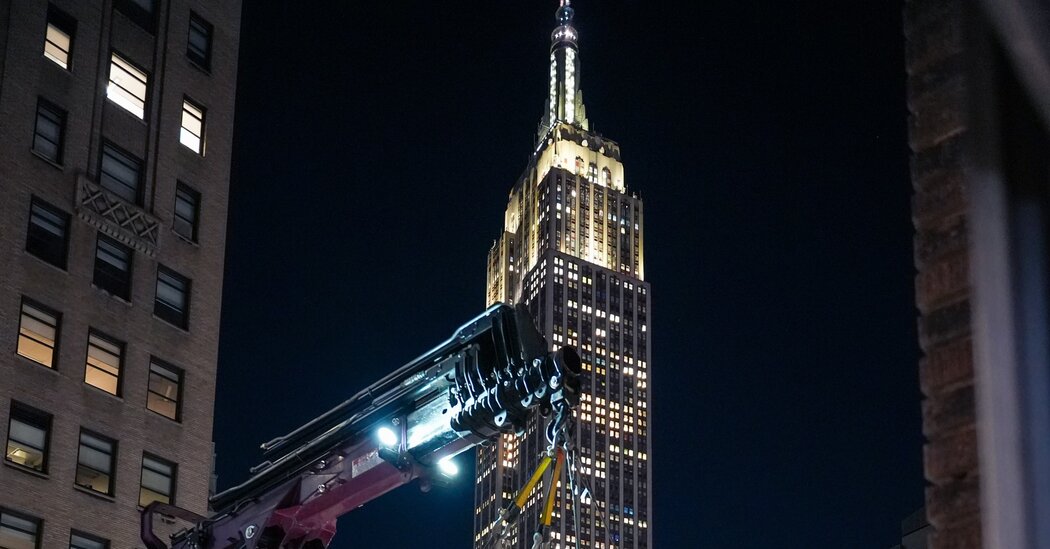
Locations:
column 564, row 33
column 565, row 13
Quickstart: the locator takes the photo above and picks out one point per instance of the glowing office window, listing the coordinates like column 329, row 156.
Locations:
column 104, row 360
column 127, row 86
column 38, row 333
column 27, row 437
column 58, row 38
column 192, row 134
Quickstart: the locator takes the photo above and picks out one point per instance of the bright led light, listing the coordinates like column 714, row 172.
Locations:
column 387, row 437
column 448, row 467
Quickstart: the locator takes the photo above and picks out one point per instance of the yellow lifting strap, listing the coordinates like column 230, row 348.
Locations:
column 524, row 493
column 548, row 513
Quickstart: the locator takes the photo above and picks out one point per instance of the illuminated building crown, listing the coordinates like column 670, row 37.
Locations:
column 565, row 98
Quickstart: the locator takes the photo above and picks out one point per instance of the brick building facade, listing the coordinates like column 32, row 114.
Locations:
column 116, row 118
column 937, row 128
column 978, row 89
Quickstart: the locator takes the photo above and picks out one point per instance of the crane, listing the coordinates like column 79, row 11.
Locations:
column 482, row 382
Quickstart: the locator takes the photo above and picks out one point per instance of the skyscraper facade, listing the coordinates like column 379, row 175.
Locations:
column 572, row 250
column 116, row 118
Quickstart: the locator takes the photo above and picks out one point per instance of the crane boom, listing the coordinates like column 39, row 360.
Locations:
column 481, row 382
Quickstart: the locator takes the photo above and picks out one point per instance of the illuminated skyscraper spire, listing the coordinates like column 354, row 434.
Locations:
column 564, row 99
column 572, row 250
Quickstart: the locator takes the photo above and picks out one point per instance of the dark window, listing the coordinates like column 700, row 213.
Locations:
column 187, row 210
column 158, row 481
column 198, row 48
column 105, row 360
column 113, row 267
column 165, row 389
column 80, row 540
column 49, row 134
column 121, row 173
column 38, row 333
column 95, row 462
column 58, row 38
column 28, row 436
column 48, row 234
column 173, row 297
column 142, row 12
column 18, row 531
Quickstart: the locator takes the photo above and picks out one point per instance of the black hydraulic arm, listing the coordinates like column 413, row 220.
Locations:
column 481, row 382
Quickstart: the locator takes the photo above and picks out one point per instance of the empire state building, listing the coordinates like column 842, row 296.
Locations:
column 572, row 249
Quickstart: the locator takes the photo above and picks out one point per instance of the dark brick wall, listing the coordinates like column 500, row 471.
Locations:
column 937, row 96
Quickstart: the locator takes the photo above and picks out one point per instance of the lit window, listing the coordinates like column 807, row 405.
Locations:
column 192, row 134
column 127, row 86
column 198, row 47
column 121, row 173
column 18, row 531
column 187, row 210
column 158, row 481
column 165, row 388
column 49, row 133
column 48, row 233
column 172, row 299
column 95, row 462
column 113, row 267
column 78, row 540
column 38, row 333
column 105, row 357
column 28, row 435
column 58, row 39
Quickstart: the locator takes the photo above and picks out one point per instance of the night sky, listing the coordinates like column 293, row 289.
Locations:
column 375, row 146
